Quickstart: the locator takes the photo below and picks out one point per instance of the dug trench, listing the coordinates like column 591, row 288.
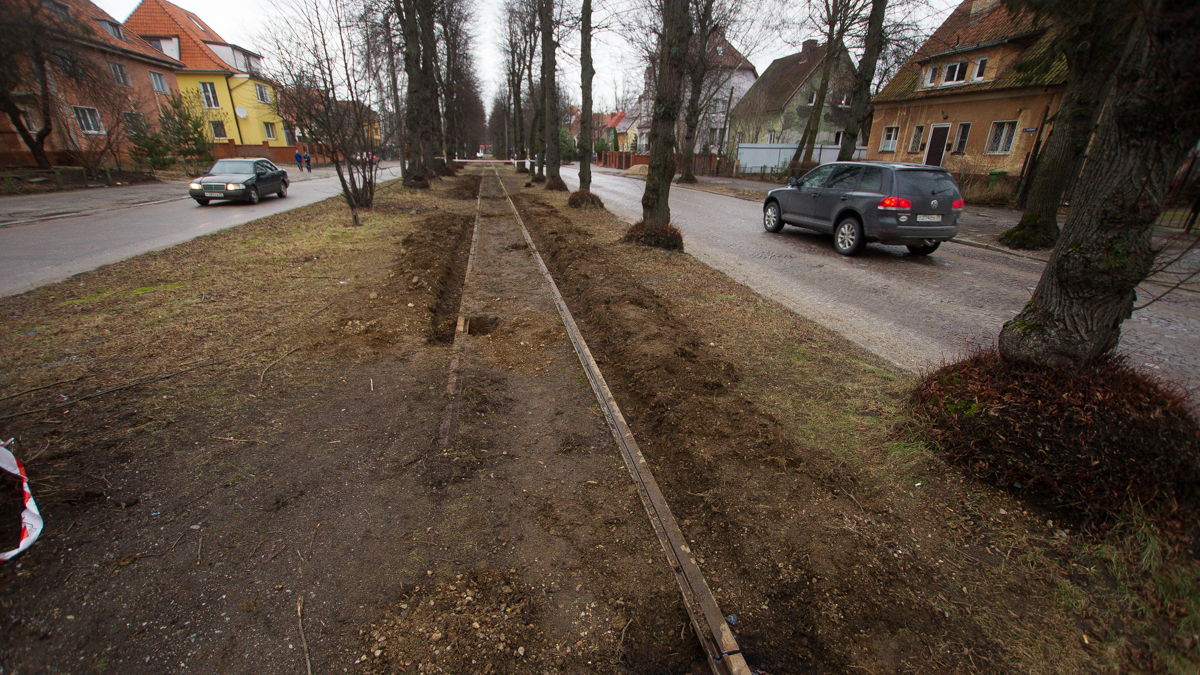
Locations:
column 285, row 504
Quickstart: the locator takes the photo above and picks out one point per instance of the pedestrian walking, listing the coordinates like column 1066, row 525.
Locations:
column 308, row 162
column 299, row 161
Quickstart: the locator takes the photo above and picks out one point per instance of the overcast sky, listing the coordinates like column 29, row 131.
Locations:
column 617, row 68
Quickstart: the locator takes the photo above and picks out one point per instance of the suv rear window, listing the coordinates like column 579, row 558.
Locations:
column 924, row 182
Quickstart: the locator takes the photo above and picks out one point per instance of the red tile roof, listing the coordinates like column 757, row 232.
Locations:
column 159, row 18
column 780, row 81
column 966, row 30
column 132, row 46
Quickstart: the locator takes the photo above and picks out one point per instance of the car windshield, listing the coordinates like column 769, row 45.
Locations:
column 923, row 182
column 232, row 166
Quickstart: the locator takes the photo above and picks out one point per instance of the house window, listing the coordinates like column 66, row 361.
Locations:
column 26, row 119
column 89, row 120
column 812, row 97
column 120, row 74
column 1001, row 138
column 837, row 138
column 890, row 134
column 218, row 129
column 134, row 121
column 264, row 94
column 209, row 91
column 157, row 44
column 844, row 100
column 59, row 10
column 112, row 28
column 955, row 72
column 914, row 143
column 158, row 82
column 269, row 128
column 981, row 68
column 960, row 142
column 931, row 78
column 197, row 23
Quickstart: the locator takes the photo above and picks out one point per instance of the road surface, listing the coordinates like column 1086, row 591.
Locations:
column 916, row 312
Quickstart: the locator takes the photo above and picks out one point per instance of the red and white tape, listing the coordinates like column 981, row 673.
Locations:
column 31, row 520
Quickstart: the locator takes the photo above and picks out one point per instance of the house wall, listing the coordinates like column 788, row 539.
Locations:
column 252, row 130
column 190, row 82
column 1027, row 108
column 66, row 133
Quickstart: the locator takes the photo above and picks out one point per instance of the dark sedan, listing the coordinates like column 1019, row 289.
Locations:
column 244, row 179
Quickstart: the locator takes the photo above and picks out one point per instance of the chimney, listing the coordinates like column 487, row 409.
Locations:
column 980, row 6
column 811, row 45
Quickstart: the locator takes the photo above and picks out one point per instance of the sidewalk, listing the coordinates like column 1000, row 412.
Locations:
column 20, row 209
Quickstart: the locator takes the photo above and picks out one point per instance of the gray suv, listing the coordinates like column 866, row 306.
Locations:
column 889, row 202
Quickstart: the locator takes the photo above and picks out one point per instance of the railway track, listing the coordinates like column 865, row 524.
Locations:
column 708, row 622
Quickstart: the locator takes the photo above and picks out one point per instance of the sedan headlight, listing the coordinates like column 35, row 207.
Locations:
column 235, row 186
column 195, row 186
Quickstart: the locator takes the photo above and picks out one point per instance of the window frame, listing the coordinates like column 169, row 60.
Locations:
column 980, row 69
column 212, row 127
column 884, row 140
column 269, row 130
column 812, row 97
column 93, row 119
column 263, row 93
column 204, row 95
column 120, row 73
column 113, row 29
column 932, row 78
column 918, row 136
column 155, row 79
column 1010, row 137
column 960, row 138
column 960, row 69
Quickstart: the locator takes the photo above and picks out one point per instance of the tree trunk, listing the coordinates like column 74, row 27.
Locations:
column 550, row 91
column 588, row 72
column 804, row 151
column 698, row 67
column 519, row 123
column 1148, row 125
column 677, row 33
column 860, row 98
column 1090, row 64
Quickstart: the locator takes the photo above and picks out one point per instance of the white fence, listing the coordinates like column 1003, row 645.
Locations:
column 754, row 157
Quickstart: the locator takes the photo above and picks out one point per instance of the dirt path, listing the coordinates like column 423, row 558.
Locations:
column 294, row 500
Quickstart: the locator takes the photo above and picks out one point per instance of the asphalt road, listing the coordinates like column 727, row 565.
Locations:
column 917, row 312
column 46, row 238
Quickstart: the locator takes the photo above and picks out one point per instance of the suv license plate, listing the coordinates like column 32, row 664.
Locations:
column 222, row 194
column 929, row 218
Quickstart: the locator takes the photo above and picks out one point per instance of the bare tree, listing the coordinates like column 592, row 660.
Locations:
column 42, row 49
column 861, row 94
column 1092, row 39
column 587, row 72
column 673, row 48
column 327, row 90
column 551, row 118
column 1148, row 124
column 835, row 18
column 421, row 116
column 518, row 47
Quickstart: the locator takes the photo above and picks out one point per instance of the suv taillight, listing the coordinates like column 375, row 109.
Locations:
column 895, row 203
column 957, row 205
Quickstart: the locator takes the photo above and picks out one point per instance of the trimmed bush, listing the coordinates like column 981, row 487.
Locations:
column 669, row 237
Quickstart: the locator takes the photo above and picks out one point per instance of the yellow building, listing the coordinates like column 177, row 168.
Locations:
column 239, row 104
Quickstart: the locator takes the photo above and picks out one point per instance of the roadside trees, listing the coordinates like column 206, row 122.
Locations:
column 1092, row 36
column 322, row 68
column 551, row 120
column 672, row 55
column 1149, row 122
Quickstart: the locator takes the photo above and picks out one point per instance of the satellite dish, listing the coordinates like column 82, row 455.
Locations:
column 241, row 112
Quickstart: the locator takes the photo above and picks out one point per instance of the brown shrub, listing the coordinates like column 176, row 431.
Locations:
column 1092, row 442
column 556, row 185
column 669, row 237
column 582, row 199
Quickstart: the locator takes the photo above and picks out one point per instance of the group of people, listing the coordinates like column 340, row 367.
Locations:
column 303, row 161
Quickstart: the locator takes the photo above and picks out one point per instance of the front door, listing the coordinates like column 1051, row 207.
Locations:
column 937, row 145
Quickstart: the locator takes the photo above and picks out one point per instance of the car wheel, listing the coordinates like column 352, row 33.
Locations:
column 848, row 236
column 282, row 190
column 202, row 202
column 924, row 248
column 253, row 195
column 771, row 220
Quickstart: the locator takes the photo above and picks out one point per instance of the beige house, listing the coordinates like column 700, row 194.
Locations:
column 976, row 98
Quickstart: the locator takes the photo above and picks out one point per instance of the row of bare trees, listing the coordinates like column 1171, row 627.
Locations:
column 367, row 78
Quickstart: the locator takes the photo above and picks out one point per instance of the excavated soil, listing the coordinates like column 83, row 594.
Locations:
column 261, row 488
